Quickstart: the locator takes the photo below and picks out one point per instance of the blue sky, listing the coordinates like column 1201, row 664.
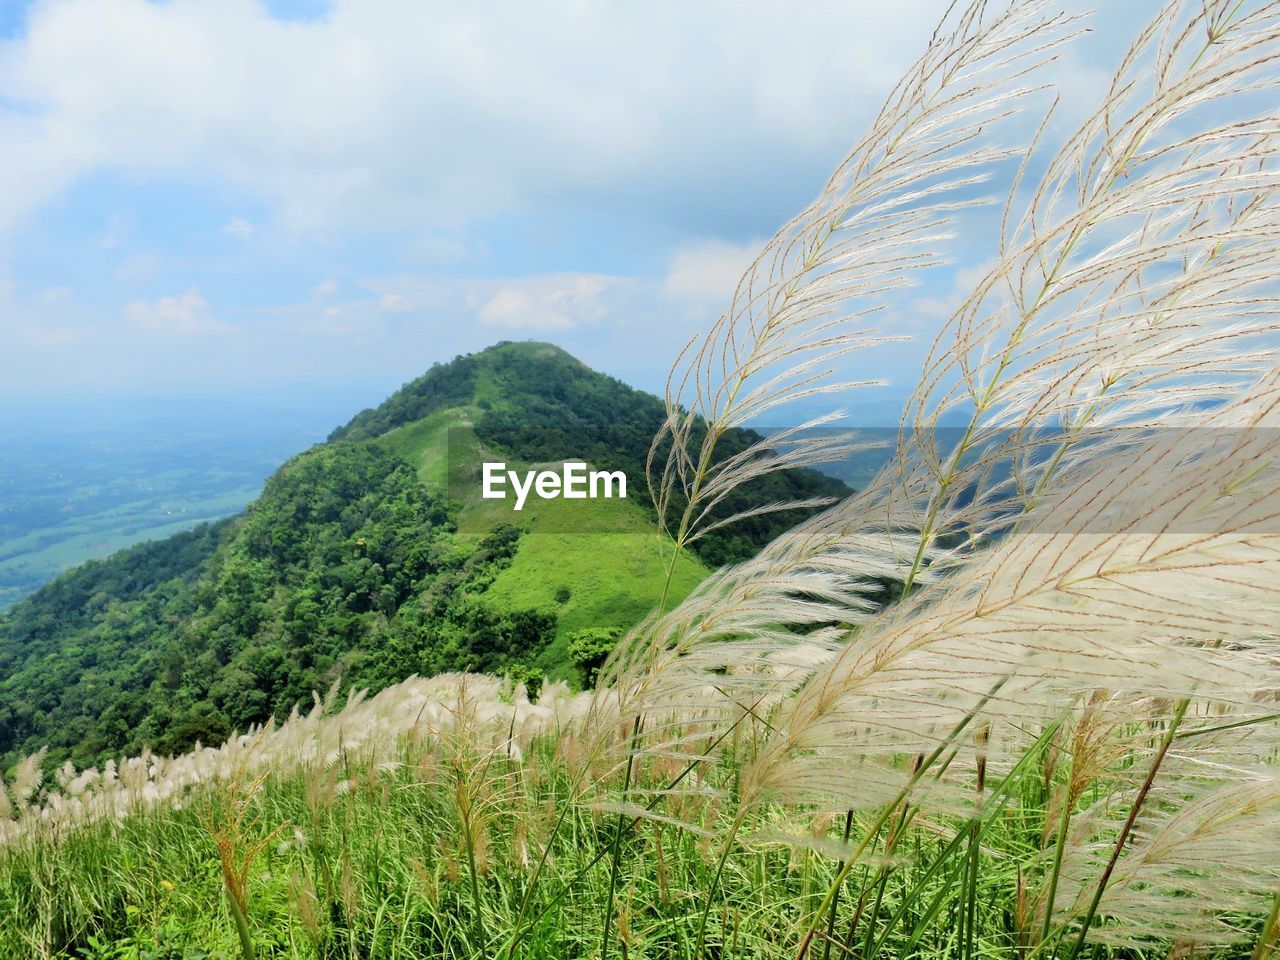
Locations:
column 218, row 196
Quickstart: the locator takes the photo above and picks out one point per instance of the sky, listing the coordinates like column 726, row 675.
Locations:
column 239, row 197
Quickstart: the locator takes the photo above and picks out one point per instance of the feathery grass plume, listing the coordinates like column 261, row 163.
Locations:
column 27, row 777
column 1177, row 591
column 369, row 730
column 232, row 824
column 1204, row 852
column 1203, row 209
column 1136, row 283
column 880, row 222
column 306, row 906
column 1138, row 279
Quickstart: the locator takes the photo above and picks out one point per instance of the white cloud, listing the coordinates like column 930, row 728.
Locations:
column 239, row 228
column 326, row 287
column 396, row 110
column 709, row 270
column 139, row 268
column 547, row 303
column 44, row 335
column 118, row 228
column 186, row 314
column 394, row 303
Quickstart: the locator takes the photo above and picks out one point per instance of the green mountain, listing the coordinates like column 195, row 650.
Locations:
column 359, row 563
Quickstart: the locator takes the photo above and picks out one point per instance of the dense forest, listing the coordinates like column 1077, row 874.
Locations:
column 347, row 568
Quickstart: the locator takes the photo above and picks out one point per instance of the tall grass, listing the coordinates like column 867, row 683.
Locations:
column 1060, row 740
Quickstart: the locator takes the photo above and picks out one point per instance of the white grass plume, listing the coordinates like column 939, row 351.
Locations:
column 372, row 729
column 1047, row 553
column 883, row 217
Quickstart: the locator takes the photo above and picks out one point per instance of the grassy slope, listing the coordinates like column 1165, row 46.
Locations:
column 381, row 871
column 614, row 578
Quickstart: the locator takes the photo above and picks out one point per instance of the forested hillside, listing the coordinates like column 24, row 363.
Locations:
column 351, row 567
column 538, row 403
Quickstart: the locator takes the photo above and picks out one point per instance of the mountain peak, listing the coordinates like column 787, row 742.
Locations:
column 494, row 375
column 534, row 349
column 357, row 562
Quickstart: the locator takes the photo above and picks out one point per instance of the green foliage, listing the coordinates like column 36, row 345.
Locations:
column 77, row 657
column 444, row 385
column 553, row 407
column 617, row 580
column 346, row 567
column 538, row 403
column 588, row 649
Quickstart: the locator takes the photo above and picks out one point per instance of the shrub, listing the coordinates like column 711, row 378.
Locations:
column 589, row 648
